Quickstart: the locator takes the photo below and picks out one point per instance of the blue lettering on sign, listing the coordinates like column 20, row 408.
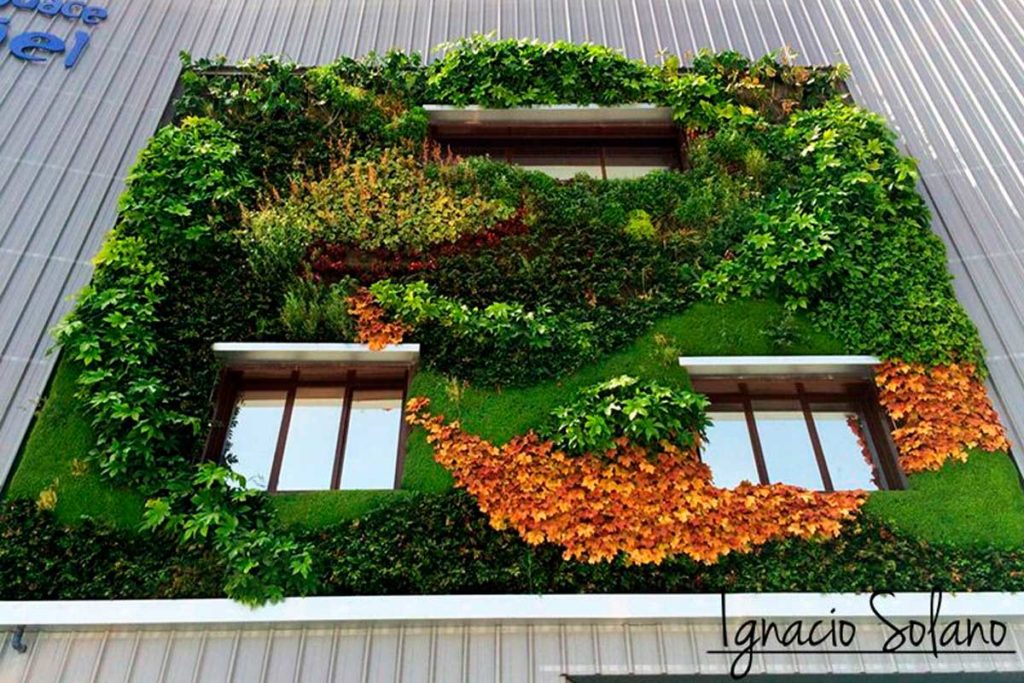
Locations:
column 26, row 45
column 38, row 46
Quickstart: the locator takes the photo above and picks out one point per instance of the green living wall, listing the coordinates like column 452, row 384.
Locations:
column 795, row 227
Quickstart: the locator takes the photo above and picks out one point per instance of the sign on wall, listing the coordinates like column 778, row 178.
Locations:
column 43, row 46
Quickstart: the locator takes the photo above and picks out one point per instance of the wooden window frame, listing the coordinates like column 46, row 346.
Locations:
column 857, row 396
column 233, row 382
column 506, row 139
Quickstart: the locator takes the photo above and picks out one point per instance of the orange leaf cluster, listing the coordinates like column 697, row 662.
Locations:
column 372, row 326
column 646, row 508
column 939, row 412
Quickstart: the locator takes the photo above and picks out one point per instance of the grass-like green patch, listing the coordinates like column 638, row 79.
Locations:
column 975, row 503
column 56, row 458
column 315, row 509
column 736, row 328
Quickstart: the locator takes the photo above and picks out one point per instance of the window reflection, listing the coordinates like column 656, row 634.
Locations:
column 728, row 451
column 371, row 446
column 252, row 435
column 788, row 451
column 843, row 442
column 312, row 442
column 560, row 163
column 638, row 161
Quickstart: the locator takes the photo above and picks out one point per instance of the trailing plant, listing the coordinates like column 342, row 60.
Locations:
column 169, row 213
column 179, row 180
column 263, row 563
column 501, row 343
column 940, row 413
column 730, row 87
column 372, row 326
column 643, row 506
column 644, row 412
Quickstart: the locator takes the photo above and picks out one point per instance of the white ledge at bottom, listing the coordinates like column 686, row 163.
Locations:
column 502, row 609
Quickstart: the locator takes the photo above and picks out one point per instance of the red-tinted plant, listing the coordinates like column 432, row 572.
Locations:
column 647, row 506
column 940, row 413
column 333, row 261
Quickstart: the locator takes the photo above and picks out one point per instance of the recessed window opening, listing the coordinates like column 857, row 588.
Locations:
column 312, row 429
column 816, row 434
column 563, row 152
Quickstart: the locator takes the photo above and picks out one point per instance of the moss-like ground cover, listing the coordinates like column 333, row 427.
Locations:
column 55, row 458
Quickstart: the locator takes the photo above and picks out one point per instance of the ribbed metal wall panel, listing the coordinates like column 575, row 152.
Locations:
column 541, row 653
column 948, row 75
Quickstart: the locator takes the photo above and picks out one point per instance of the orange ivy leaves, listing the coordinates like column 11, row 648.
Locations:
column 643, row 507
column 372, row 326
column 939, row 412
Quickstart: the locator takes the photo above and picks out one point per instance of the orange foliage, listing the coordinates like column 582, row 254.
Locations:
column 372, row 327
column 939, row 412
column 643, row 507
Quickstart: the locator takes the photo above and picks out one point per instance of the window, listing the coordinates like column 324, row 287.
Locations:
column 817, row 433
column 564, row 151
column 312, row 426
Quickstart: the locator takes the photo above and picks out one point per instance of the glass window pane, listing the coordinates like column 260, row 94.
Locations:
column 636, row 161
column 728, row 451
column 788, row 452
column 560, row 162
column 628, row 172
column 844, row 442
column 309, row 452
column 252, row 435
column 371, row 446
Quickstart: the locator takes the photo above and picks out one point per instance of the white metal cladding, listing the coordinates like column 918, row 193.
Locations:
column 520, row 653
column 949, row 76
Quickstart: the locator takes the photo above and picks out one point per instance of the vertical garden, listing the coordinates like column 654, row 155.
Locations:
column 555, row 439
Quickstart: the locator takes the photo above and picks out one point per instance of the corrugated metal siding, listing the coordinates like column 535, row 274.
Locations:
column 949, row 75
column 439, row 654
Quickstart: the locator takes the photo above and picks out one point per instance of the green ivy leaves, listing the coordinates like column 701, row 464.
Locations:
column 644, row 412
column 848, row 238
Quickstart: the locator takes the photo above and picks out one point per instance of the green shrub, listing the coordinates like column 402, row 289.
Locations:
column 442, row 544
column 294, row 121
column 501, row 343
column 42, row 559
column 639, row 226
column 515, row 73
column 394, row 202
column 645, row 412
column 836, row 241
